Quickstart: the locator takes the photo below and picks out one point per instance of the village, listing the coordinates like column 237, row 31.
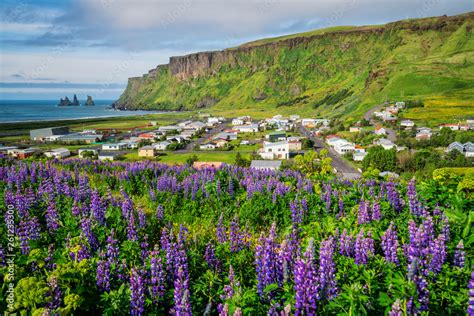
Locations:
column 268, row 142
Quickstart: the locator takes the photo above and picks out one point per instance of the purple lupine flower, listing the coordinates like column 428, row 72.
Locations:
column 112, row 248
column 445, row 229
column 49, row 260
column 86, row 228
column 390, row 244
column 296, row 213
column 97, row 207
column 230, row 187
column 340, row 205
column 182, row 304
column 103, row 272
column 376, row 215
column 137, row 292
column 345, row 244
column 221, row 230
column 2, row 256
column 412, row 197
column 306, row 283
column 327, row 270
column 363, row 248
column 235, row 236
column 459, row 255
column 230, row 289
column 210, row 256
column 144, row 248
column 438, row 253
column 122, row 271
column 23, row 236
column 160, row 214
column 75, row 210
column 52, row 218
column 470, row 286
column 157, row 276
column 132, row 227
column 396, row 309
column 54, row 293
column 266, row 261
column 423, row 292
column 363, row 215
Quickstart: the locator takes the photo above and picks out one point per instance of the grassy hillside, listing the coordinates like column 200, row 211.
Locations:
column 340, row 71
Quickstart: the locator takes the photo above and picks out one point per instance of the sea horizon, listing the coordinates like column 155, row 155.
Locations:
column 25, row 111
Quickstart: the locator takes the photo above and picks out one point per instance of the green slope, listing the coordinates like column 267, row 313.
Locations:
column 341, row 71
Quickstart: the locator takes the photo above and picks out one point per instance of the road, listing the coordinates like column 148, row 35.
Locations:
column 391, row 134
column 342, row 166
column 190, row 146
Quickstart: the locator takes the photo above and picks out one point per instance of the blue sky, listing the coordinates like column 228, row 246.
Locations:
column 51, row 48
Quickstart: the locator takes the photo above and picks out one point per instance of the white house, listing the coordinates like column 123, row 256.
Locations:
column 226, row 135
column 453, row 127
column 237, row 121
column 58, row 153
column 169, row 128
column 343, row 147
column 407, row 123
column 197, row 125
column 265, row 164
column 467, row 149
column 380, row 131
column 108, row 155
column 131, row 144
column 162, row 145
column 251, row 128
column 276, row 150
column 208, row 146
column 114, row 146
column 359, row 155
column 308, row 122
column 385, row 143
column 184, row 124
column 331, row 139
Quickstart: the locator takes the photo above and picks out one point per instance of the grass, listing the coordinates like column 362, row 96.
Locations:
column 214, row 156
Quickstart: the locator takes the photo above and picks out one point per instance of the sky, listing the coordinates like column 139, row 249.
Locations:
column 49, row 48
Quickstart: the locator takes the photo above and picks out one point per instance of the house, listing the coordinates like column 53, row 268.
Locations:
column 147, row 136
column 245, row 142
column 114, row 146
column 385, row 143
column 175, row 138
column 276, row 150
column 93, row 150
column 208, row 146
column 58, row 153
column 276, row 136
column 265, row 164
column 424, row 130
column 109, row 155
column 464, row 127
column 407, row 123
column 387, row 117
column 331, row 139
column 294, row 117
column 359, row 155
column 379, row 130
column 226, row 135
column 22, row 153
column 308, row 122
column 213, row 121
column 131, row 144
column 146, row 151
column 470, row 121
column 237, row 121
column 392, row 109
column 5, row 149
column 80, row 138
column 295, row 144
column 453, row 127
column 43, row 133
column 170, row 128
column 197, row 125
column 355, row 129
column 184, row 124
column 467, row 149
column 162, row 145
column 207, row 164
column 343, row 147
column 423, row 136
column 250, row 128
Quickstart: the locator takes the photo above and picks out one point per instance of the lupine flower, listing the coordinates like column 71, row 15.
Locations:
column 445, row 229
column 103, row 272
column 470, row 286
column 459, row 255
column 86, row 228
column 2, row 256
column 345, row 244
column 54, row 293
column 182, row 304
column 97, row 207
column 363, row 215
column 266, row 260
column 160, row 212
column 438, row 253
column 210, row 257
column 327, row 270
column 229, row 289
column 306, row 283
column 137, row 292
column 157, row 276
column 52, row 218
column 390, row 244
column 423, row 293
column 49, row 260
column 363, row 248
column 235, row 236
column 221, row 230
column 376, row 215
column 296, row 214
column 396, row 309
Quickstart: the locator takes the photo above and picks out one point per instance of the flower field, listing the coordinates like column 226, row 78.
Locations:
column 115, row 238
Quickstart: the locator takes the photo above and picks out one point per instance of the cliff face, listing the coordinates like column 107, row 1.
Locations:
column 302, row 70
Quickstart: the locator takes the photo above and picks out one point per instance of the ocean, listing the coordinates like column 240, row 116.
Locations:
column 47, row 110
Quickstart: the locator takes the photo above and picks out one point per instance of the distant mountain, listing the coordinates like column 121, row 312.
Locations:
column 339, row 71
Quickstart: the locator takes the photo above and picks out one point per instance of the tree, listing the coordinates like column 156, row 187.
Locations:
column 307, row 143
column 314, row 164
column 379, row 158
column 88, row 154
column 240, row 161
column 191, row 160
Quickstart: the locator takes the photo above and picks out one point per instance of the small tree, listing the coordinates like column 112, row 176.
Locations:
column 191, row 160
column 314, row 164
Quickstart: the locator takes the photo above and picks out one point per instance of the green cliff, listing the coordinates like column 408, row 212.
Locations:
column 340, row 71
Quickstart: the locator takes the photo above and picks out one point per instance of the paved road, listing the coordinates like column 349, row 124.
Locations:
column 190, row 146
column 342, row 166
column 391, row 134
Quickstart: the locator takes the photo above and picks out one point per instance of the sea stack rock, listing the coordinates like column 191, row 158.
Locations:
column 75, row 101
column 89, row 101
column 64, row 102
